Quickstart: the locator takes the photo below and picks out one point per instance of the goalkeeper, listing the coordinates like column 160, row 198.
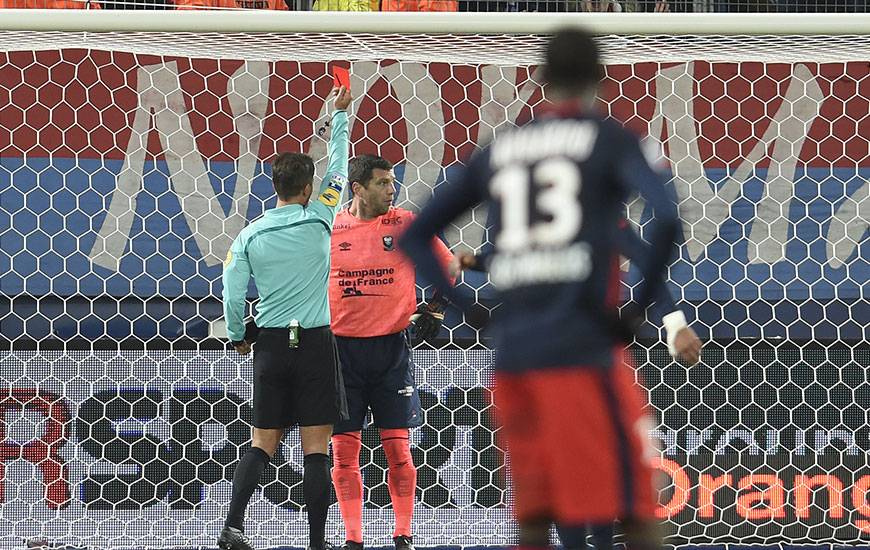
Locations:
column 372, row 297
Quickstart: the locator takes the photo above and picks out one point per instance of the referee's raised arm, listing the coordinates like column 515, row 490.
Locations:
column 335, row 179
column 297, row 379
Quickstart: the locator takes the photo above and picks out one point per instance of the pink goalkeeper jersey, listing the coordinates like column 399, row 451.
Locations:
column 371, row 282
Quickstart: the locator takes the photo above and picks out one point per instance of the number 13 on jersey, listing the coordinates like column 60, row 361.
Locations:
column 554, row 184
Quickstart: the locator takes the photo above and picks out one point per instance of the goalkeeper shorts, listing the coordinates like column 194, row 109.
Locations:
column 577, row 439
column 379, row 375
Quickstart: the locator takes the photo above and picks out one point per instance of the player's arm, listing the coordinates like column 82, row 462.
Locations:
column 446, row 259
column 236, row 275
column 475, row 262
column 329, row 194
column 429, row 316
column 682, row 341
column 636, row 174
column 631, row 245
column 449, row 201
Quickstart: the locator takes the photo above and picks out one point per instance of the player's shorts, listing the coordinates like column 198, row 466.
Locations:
column 578, row 446
column 299, row 385
column 379, row 374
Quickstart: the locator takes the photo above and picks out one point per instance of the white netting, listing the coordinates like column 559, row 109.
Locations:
column 128, row 162
column 503, row 49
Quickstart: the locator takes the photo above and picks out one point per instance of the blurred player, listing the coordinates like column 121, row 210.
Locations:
column 683, row 343
column 372, row 297
column 572, row 417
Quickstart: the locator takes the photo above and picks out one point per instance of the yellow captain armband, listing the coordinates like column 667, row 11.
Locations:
column 330, row 197
column 229, row 258
column 332, row 194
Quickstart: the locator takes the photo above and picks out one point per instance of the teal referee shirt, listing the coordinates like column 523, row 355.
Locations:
column 287, row 253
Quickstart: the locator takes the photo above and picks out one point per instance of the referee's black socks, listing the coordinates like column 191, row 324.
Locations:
column 315, row 489
column 245, row 480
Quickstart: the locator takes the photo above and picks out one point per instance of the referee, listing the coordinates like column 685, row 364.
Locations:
column 297, row 379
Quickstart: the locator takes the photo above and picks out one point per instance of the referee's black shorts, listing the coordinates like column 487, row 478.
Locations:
column 301, row 385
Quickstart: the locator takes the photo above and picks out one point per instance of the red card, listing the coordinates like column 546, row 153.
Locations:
column 341, row 77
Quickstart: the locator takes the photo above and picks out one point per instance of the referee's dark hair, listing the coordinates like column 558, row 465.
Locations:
column 572, row 62
column 291, row 172
column 361, row 167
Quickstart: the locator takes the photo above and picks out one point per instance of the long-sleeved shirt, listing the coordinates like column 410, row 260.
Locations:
column 636, row 250
column 372, row 283
column 556, row 188
column 287, row 253
column 630, row 245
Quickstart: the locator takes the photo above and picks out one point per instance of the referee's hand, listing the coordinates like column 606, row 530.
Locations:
column 243, row 349
column 342, row 98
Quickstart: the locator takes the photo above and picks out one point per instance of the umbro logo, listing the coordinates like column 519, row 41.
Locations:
column 344, row 247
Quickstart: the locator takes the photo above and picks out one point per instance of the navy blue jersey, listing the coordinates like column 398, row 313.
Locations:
column 556, row 188
column 632, row 247
column 629, row 245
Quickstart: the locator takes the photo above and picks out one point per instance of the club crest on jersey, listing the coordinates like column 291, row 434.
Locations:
column 388, row 243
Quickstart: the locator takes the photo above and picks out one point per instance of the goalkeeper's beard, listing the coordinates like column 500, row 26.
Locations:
column 381, row 207
column 374, row 208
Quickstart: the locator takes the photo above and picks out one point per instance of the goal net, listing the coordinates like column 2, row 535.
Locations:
column 130, row 160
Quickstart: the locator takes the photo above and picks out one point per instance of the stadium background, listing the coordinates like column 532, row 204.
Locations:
column 124, row 177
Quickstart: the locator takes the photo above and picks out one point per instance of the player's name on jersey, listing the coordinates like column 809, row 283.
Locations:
column 560, row 138
column 556, row 265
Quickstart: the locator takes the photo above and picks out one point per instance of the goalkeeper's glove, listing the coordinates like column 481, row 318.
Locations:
column 427, row 321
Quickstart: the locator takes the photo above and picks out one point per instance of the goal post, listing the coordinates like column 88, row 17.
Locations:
column 438, row 23
column 134, row 146
column 493, row 39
